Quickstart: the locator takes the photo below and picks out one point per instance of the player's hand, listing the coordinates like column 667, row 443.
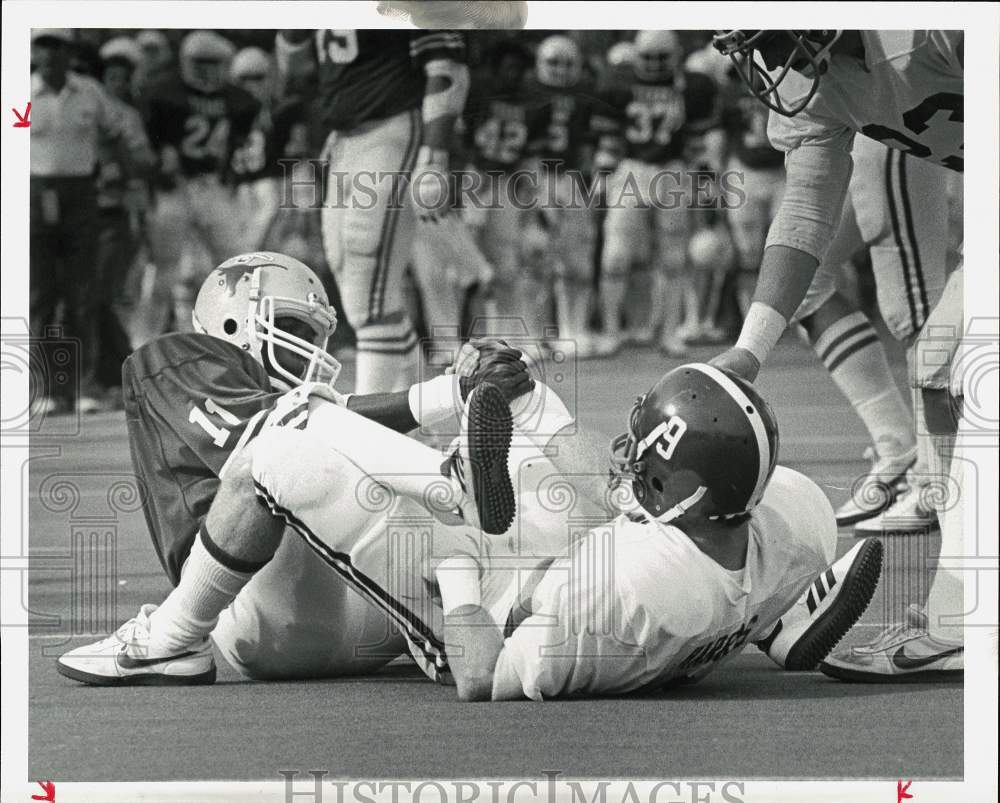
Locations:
column 493, row 361
column 738, row 360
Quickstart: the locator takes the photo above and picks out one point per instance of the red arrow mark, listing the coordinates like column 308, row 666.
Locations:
column 22, row 120
column 901, row 793
column 48, row 787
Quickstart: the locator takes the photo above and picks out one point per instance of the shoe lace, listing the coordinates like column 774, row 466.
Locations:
column 892, row 636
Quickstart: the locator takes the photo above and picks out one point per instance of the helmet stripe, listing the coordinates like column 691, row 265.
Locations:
column 756, row 422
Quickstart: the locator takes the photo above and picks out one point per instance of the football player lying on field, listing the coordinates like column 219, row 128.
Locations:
column 716, row 547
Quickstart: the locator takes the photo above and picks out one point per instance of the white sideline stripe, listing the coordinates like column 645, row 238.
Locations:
column 756, row 421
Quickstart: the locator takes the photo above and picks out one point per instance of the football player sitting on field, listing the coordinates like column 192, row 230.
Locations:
column 255, row 379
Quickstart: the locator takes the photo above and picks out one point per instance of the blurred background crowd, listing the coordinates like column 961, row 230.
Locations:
column 157, row 154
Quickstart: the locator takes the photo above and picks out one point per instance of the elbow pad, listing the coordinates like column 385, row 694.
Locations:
column 451, row 100
column 815, row 187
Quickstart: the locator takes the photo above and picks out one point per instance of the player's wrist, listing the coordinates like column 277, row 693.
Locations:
column 761, row 330
column 434, row 401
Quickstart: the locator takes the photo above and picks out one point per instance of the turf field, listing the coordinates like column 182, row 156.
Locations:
column 91, row 571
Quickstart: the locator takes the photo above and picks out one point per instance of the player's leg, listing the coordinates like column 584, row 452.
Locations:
column 169, row 234
column 313, row 476
column 677, row 293
column 847, row 344
column 908, row 244
column 626, row 240
column 931, row 649
column 368, row 233
column 297, row 619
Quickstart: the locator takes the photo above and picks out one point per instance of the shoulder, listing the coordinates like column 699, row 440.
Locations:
column 794, row 507
column 202, row 355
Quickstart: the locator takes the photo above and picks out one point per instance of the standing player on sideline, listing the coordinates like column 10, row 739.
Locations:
column 716, row 547
column 389, row 100
column 653, row 107
column 198, row 404
column 566, row 110
column 905, row 89
column 196, row 121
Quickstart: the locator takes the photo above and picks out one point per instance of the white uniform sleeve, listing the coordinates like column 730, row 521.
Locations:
column 818, row 170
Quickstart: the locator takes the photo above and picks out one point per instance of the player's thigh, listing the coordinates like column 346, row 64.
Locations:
column 574, row 243
column 297, row 618
column 627, row 227
column 368, row 217
column 902, row 213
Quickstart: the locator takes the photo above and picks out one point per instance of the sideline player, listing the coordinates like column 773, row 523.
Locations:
column 198, row 404
column 654, row 109
column 389, row 100
column 716, row 547
column 196, row 120
column 906, row 90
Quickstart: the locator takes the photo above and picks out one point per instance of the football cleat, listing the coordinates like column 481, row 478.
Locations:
column 477, row 462
column 878, row 489
column 908, row 515
column 124, row 659
column 901, row 654
column 827, row 610
column 607, row 345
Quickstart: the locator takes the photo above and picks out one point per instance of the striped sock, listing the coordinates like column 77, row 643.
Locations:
column 387, row 358
column 853, row 354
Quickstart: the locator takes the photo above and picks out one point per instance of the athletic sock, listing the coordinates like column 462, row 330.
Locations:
column 612, row 294
column 853, row 354
column 945, row 602
column 387, row 355
column 192, row 610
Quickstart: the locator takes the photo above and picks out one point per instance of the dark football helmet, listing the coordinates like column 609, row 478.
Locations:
column 806, row 52
column 701, row 434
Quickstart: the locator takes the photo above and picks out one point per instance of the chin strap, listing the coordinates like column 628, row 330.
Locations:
column 683, row 506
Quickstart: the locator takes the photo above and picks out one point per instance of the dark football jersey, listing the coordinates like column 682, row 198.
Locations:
column 655, row 119
column 745, row 120
column 190, row 401
column 367, row 75
column 282, row 133
column 204, row 128
column 564, row 119
column 499, row 126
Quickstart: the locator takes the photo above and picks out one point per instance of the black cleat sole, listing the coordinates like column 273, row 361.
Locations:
column 857, row 589
column 150, row 679
column 490, row 430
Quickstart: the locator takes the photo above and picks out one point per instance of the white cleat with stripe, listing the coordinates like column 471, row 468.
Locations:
column 827, row 610
column 125, row 659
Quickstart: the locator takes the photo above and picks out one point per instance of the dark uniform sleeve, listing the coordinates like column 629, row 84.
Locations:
column 701, row 100
column 428, row 46
column 191, row 400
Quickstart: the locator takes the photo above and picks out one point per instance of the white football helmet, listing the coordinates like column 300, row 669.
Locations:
column 124, row 48
column 558, row 62
column 621, row 54
column 204, row 60
column 253, row 69
column 242, row 301
column 658, row 55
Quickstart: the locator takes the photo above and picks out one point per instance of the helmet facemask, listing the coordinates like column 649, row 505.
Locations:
column 808, row 55
column 265, row 337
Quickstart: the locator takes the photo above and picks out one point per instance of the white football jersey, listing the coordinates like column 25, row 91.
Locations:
column 637, row 604
column 907, row 93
